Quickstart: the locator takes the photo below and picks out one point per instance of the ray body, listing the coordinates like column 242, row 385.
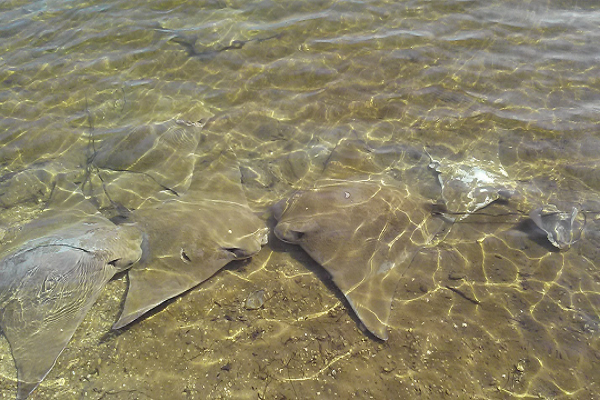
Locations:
column 563, row 228
column 187, row 240
column 51, row 273
column 471, row 185
column 159, row 155
column 364, row 234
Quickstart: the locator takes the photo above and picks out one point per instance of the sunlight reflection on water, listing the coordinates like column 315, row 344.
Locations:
column 377, row 87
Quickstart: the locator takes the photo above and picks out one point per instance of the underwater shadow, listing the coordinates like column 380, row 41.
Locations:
column 535, row 234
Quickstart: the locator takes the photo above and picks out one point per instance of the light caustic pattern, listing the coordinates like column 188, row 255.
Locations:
column 305, row 90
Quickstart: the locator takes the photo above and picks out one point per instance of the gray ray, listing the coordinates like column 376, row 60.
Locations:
column 353, row 159
column 471, row 184
column 563, row 228
column 147, row 159
column 51, row 273
column 188, row 239
column 556, row 206
column 365, row 228
column 25, row 193
column 365, row 234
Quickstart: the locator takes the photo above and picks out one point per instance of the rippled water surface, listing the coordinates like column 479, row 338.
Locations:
column 493, row 311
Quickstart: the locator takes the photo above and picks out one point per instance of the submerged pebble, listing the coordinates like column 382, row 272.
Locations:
column 255, row 300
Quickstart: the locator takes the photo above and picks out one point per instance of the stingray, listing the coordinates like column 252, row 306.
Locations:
column 51, row 272
column 365, row 234
column 563, row 228
column 471, row 185
column 161, row 154
column 209, row 54
column 189, row 239
column 468, row 186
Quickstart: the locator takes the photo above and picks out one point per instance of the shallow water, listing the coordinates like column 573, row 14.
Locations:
column 489, row 313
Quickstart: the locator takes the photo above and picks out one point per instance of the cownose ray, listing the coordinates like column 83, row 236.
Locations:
column 52, row 271
column 364, row 233
column 361, row 229
column 190, row 238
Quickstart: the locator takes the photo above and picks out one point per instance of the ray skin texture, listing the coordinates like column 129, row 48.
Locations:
column 365, row 234
column 51, row 273
column 189, row 239
column 163, row 152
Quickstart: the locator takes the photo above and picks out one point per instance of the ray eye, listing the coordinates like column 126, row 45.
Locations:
column 293, row 236
column 114, row 262
column 185, row 257
column 238, row 253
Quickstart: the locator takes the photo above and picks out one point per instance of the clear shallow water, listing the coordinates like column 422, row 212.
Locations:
column 512, row 84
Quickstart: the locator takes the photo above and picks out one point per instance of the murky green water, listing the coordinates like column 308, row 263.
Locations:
column 513, row 86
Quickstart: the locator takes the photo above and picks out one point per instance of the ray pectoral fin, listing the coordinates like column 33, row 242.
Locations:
column 371, row 299
column 368, row 315
column 42, row 316
column 150, row 287
column 153, row 285
column 35, row 352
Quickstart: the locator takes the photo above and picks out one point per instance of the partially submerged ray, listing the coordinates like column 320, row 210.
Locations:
column 404, row 162
column 25, row 193
column 190, row 46
column 563, row 228
column 471, row 185
column 51, row 272
column 188, row 240
column 160, row 156
column 365, row 234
